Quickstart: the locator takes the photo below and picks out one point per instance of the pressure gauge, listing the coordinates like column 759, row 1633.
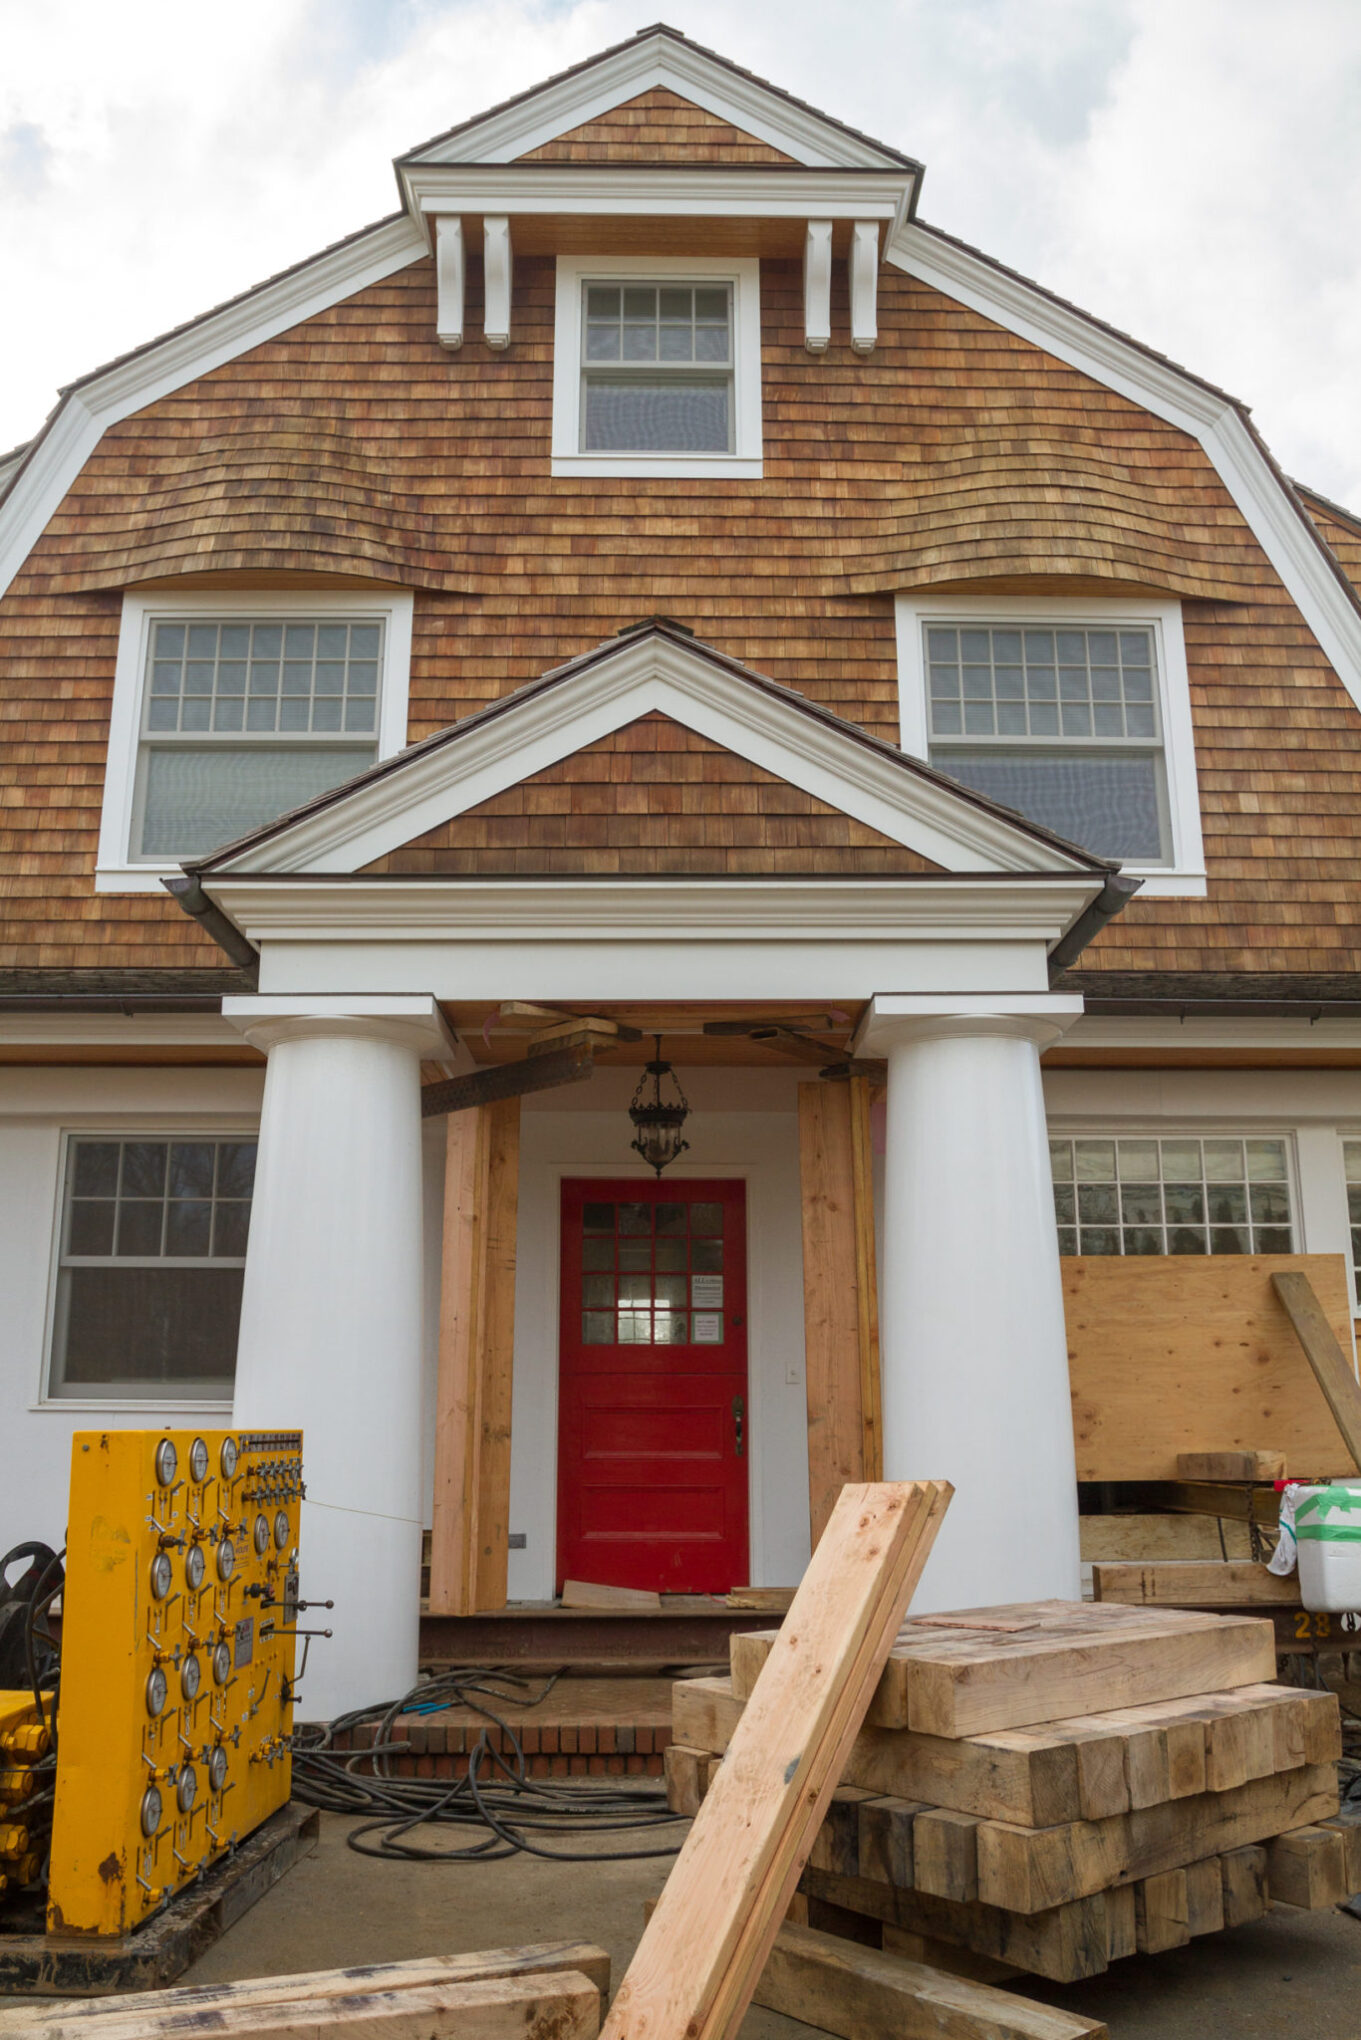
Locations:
column 161, row 1575
column 156, row 1690
column 217, row 1769
column 194, row 1567
column 222, row 1664
column 281, row 1528
column 198, row 1460
column 191, row 1677
column 186, row 1792
column 167, row 1459
column 226, row 1459
column 261, row 1534
column 151, row 1810
column 226, row 1559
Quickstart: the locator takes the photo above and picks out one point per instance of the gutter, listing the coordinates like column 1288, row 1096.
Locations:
column 189, row 894
column 1114, row 896
column 1225, row 1009
column 129, row 1004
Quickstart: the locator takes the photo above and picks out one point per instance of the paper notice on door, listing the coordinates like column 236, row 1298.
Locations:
column 708, row 1328
column 706, row 1292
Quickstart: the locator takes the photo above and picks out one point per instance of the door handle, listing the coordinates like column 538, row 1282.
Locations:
column 739, row 1410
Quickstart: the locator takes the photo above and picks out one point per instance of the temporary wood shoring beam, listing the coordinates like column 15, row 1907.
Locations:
column 1332, row 1369
column 703, row 1951
column 468, row 1542
column 867, row 1279
column 831, row 1300
column 507, row 1080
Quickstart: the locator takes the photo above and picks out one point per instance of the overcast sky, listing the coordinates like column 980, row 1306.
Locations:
column 1188, row 169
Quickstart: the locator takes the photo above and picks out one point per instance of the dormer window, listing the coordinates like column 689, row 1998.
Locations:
column 657, row 367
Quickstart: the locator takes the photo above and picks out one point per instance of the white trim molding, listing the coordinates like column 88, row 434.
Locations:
column 1278, row 524
column 744, row 463
column 1183, row 876
column 658, row 57
column 817, row 286
column 449, row 274
column 651, row 673
column 116, row 870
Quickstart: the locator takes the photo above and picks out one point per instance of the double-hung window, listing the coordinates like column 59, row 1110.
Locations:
column 657, row 367
column 1173, row 1194
column 230, row 710
column 150, row 1266
column 1074, row 714
column 1059, row 724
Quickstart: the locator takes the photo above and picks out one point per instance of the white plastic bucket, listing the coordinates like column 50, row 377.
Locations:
column 1328, row 1527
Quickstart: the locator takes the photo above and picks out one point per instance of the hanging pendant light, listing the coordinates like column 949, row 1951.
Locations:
column 658, row 1120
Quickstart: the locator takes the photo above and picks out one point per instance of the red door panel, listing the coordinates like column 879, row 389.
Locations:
column 652, row 1420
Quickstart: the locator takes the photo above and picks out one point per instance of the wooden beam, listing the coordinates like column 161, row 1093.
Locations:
column 1333, row 1371
column 507, row 1080
column 831, row 1298
column 863, row 1994
column 703, row 1951
column 866, row 1280
column 1194, row 1583
column 201, row 2005
column 469, row 1531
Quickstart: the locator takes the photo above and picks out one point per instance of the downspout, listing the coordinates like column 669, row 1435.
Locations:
column 189, row 894
column 1114, row 896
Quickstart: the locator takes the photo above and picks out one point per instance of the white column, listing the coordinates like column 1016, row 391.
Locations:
column 331, row 1318
column 974, row 1352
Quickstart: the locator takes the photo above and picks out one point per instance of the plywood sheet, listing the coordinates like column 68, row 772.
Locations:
column 1174, row 1355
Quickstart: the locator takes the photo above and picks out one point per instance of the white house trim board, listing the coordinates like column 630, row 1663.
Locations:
column 1279, row 524
column 110, row 394
column 745, row 460
column 579, row 705
column 116, row 870
column 657, row 57
column 613, row 191
column 1184, row 877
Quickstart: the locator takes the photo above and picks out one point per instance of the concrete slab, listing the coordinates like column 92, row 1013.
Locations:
column 1292, row 1973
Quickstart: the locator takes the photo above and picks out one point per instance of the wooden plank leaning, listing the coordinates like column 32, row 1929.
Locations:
column 1332, row 1369
column 706, row 1944
column 212, row 2007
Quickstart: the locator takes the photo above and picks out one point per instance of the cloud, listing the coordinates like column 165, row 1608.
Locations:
column 1187, row 171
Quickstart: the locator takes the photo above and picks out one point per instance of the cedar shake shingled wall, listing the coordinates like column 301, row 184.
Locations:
column 956, row 451
column 653, row 797
column 656, row 127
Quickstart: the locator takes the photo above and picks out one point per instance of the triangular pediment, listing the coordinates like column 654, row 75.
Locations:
column 657, row 126
column 652, row 798
column 653, row 725
column 658, row 61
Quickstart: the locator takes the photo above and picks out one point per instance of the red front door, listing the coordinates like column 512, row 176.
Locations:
column 652, row 1418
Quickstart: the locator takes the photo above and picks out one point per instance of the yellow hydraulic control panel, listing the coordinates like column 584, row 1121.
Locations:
column 176, row 1700
column 24, row 1742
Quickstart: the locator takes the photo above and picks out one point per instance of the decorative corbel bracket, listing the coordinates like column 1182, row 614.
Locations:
column 864, row 268
column 817, row 286
column 497, row 261
column 449, row 278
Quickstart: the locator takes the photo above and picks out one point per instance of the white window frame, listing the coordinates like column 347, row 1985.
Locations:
column 161, row 1128
column 116, row 871
column 1066, row 1127
column 1183, row 875
column 744, row 275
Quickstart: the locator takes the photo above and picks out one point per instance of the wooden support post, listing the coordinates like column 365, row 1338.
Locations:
column 840, row 1304
column 468, row 1543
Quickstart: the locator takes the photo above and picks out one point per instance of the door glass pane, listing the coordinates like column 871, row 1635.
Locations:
column 597, row 1328
column 597, row 1253
column 635, row 1218
column 706, row 1218
column 598, row 1218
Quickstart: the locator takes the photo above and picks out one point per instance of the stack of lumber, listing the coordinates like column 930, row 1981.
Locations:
column 1055, row 1785
column 552, row 1991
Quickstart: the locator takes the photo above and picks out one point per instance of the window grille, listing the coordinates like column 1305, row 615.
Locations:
column 657, row 368
column 1172, row 1194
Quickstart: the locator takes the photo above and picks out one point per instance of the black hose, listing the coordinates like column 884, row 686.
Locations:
column 497, row 1800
